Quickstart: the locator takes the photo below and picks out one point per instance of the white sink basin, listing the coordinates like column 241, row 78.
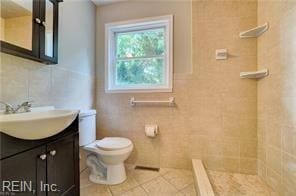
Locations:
column 37, row 124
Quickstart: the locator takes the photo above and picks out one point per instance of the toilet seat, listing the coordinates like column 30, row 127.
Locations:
column 94, row 149
column 113, row 143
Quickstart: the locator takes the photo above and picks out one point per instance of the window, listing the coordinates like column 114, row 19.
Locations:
column 139, row 55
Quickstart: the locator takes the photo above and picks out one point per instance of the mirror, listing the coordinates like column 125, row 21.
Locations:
column 16, row 22
column 49, row 28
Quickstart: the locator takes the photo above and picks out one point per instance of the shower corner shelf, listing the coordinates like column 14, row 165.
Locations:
column 254, row 74
column 255, row 32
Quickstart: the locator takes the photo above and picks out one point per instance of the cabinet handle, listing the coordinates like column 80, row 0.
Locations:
column 53, row 152
column 42, row 157
column 37, row 20
column 44, row 23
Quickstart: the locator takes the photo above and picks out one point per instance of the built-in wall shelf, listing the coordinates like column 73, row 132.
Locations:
column 254, row 74
column 255, row 32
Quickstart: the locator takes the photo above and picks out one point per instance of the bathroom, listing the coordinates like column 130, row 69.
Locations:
column 221, row 121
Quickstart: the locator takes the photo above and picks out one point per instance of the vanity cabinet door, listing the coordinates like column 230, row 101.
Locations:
column 26, row 171
column 20, row 22
column 62, row 166
column 29, row 29
column 49, row 30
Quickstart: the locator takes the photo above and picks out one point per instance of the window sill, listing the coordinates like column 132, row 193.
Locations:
column 170, row 90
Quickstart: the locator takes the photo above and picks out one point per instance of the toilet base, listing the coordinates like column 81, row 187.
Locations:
column 115, row 175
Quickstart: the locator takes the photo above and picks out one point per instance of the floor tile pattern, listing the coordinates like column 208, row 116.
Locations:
column 176, row 182
column 235, row 184
column 166, row 182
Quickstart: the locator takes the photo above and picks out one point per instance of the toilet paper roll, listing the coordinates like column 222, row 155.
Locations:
column 151, row 130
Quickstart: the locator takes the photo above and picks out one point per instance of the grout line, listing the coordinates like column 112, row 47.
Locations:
column 122, row 183
column 141, row 184
column 110, row 190
column 239, row 155
column 144, row 189
column 171, row 184
column 163, row 179
column 162, row 175
column 83, row 170
column 185, row 187
column 287, row 153
column 175, row 186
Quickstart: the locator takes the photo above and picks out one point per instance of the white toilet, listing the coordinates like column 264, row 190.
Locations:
column 106, row 156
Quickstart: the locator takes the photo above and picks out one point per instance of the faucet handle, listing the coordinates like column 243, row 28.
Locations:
column 26, row 106
column 27, row 103
column 8, row 108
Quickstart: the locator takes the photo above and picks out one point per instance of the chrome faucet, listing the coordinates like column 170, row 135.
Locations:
column 24, row 107
column 8, row 108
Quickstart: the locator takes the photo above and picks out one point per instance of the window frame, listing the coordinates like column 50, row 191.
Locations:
column 111, row 29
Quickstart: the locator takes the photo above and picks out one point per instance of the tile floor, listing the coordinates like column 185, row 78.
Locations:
column 166, row 182
column 176, row 182
column 234, row 184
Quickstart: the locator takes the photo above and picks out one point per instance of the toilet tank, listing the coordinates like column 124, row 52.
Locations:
column 87, row 127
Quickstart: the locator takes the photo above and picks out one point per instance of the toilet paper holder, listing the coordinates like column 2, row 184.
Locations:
column 151, row 131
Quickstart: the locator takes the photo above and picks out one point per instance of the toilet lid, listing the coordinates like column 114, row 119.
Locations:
column 113, row 143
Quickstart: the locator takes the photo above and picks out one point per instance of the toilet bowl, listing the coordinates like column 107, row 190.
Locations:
column 105, row 157
column 106, row 161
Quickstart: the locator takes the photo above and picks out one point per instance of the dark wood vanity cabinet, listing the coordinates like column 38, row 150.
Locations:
column 50, row 166
column 24, row 168
column 30, row 29
column 61, row 163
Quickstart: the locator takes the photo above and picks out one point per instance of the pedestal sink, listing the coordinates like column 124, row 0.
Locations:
column 38, row 124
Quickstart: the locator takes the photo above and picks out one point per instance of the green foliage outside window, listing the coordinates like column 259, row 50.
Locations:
column 140, row 57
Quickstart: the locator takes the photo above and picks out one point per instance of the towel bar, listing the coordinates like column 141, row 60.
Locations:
column 171, row 101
